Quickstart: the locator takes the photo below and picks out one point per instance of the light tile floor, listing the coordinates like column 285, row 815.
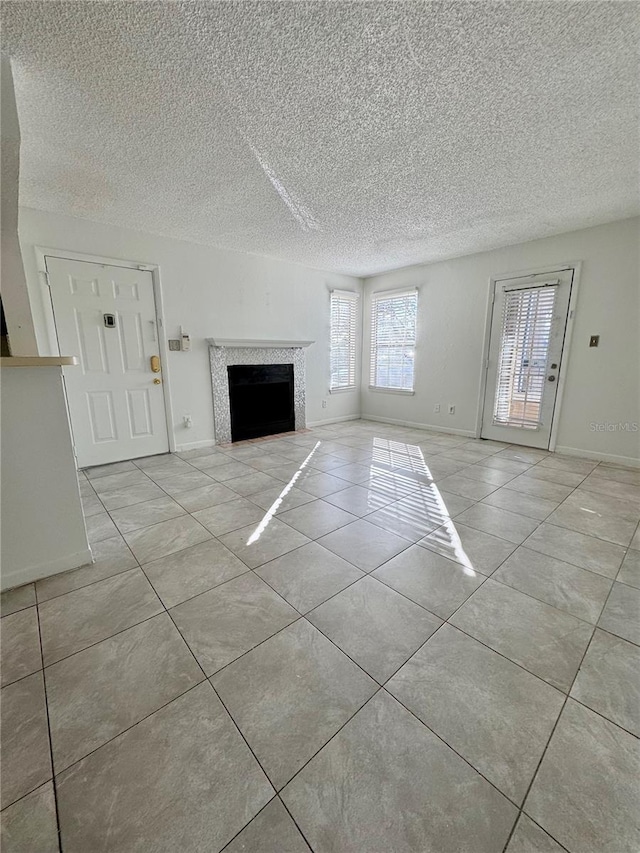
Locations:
column 360, row 639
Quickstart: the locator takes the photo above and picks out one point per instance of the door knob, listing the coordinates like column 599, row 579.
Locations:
column 551, row 378
column 155, row 364
column 157, row 381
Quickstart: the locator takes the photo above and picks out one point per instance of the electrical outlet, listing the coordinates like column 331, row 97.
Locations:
column 324, row 404
column 452, row 409
column 436, row 408
column 187, row 421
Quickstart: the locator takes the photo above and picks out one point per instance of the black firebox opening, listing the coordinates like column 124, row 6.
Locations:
column 261, row 400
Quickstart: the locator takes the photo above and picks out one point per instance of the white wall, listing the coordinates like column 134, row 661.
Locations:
column 15, row 298
column 211, row 292
column 216, row 292
column 602, row 385
column 43, row 529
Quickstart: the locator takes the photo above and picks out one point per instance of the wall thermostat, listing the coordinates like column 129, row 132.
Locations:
column 185, row 341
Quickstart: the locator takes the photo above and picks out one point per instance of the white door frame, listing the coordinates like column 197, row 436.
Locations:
column 576, row 266
column 45, row 290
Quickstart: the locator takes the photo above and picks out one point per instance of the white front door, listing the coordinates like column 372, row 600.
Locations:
column 528, row 326
column 105, row 315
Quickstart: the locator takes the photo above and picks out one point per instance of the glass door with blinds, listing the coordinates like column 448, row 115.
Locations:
column 525, row 357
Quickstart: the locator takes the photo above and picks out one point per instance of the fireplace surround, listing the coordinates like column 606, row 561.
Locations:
column 225, row 353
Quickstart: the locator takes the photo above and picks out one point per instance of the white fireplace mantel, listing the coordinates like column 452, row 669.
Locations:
column 241, row 343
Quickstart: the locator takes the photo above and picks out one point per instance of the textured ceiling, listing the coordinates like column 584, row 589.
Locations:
column 355, row 137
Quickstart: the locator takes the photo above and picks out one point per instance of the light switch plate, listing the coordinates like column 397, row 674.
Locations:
column 594, row 340
column 174, row 345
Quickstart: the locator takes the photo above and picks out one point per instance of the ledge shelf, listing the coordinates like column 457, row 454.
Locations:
column 38, row 360
column 240, row 343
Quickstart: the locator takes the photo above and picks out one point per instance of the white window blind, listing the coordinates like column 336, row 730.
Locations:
column 393, row 339
column 522, row 364
column 344, row 326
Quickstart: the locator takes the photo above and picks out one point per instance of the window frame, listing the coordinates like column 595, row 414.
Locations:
column 381, row 296
column 351, row 297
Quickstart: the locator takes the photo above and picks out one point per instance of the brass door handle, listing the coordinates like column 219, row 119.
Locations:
column 157, row 381
column 155, row 364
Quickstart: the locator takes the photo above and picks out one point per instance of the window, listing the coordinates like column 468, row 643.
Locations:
column 522, row 363
column 393, row 339
column 344, row 324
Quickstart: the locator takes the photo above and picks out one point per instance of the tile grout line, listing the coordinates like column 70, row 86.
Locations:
column 564, row 705
column 380, row 687
column 164, row 705
column 115, row 737
column 540, row 521
column 207, row 679
column 452, row 748
column 260, row 565
column 370, row 572
column 46, row 707
column 266, row 775
column 517, row 822
column 276, row 797
column 383, row 686
column 91, row 583
column 303, row 616
column 295, row 822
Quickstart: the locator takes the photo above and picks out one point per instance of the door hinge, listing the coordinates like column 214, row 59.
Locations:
column 45, row 275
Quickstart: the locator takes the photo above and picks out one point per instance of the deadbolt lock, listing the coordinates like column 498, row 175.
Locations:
column 157, row 381
column 155, row 364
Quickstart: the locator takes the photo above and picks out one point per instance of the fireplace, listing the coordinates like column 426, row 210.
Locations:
column 260, row 399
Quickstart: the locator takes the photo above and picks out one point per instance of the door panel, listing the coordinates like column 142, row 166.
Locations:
column 126, row 290
column 525, row 357
column 139, row 411
column 116, row 410
column 93, row 350
column 132, row 343
column 84, row 287
column 101, row 416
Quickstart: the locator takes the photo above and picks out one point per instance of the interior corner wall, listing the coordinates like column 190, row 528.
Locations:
column 15, row 297
column 210, row 293
column 602, row 385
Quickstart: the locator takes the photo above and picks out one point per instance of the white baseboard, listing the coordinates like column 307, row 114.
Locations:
column 312, row 424
column 469, row 433
column 33, row 573
column 210, row 442
column 627, row 461
column 194, row 445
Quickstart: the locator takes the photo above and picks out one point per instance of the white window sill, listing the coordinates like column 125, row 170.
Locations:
column 379, row 390
column 342, row 390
